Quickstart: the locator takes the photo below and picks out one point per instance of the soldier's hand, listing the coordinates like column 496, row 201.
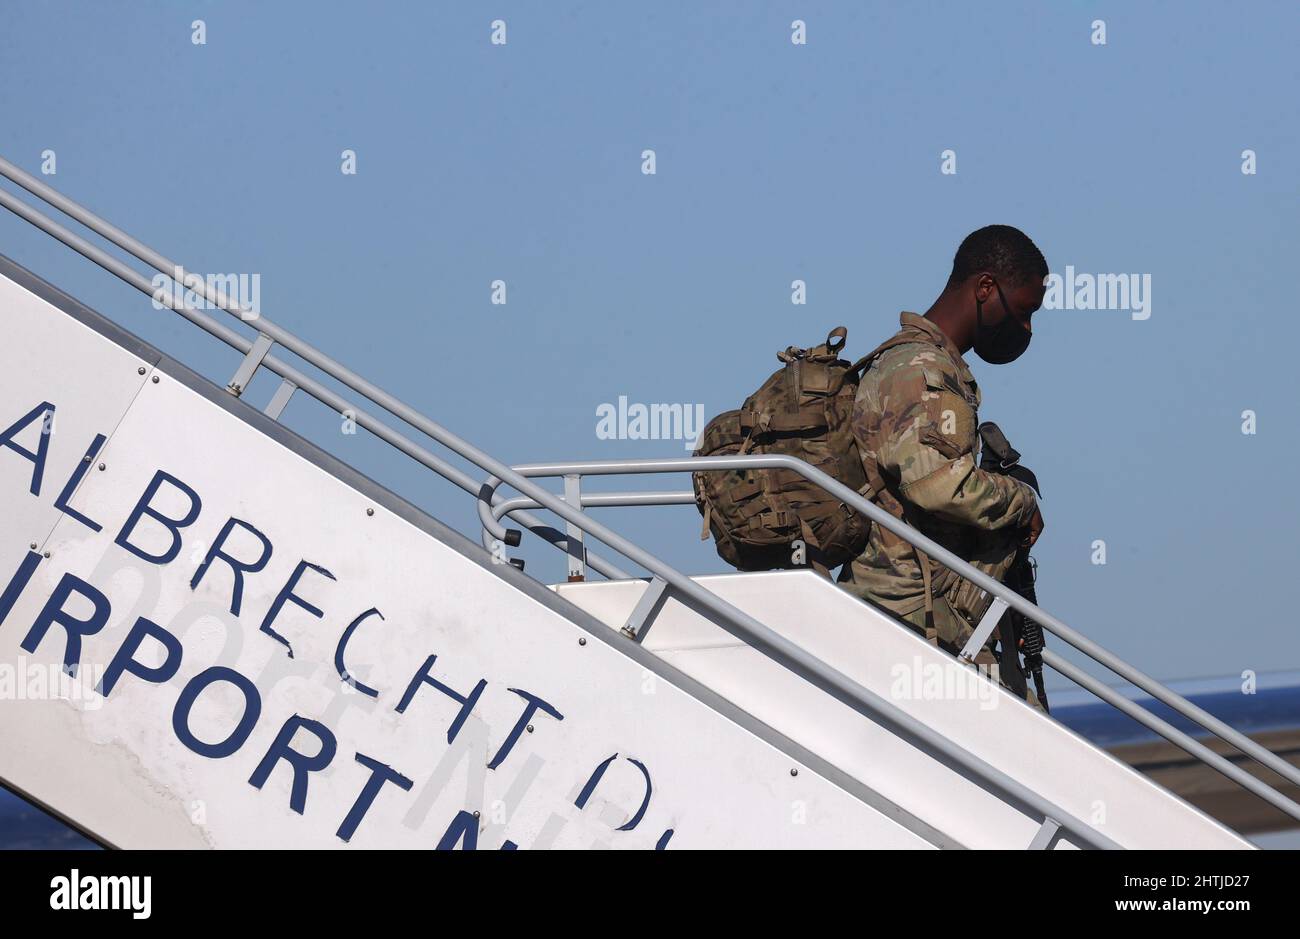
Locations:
column 1034, row 529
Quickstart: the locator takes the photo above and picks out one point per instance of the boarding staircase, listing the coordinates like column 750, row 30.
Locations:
column 244, row 642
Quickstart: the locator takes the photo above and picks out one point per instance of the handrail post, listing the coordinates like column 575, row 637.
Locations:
column 251, row 363
column 647, row 608
column 280, row 400
column 985, row 629
column 576, row 549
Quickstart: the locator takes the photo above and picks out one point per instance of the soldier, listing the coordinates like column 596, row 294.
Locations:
column 915, row 423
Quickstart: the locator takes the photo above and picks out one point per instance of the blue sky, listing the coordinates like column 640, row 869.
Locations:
column 775, row 162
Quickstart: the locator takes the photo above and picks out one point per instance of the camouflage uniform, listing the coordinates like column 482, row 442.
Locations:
column 915, row 418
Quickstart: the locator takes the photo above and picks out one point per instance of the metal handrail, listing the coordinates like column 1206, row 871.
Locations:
column 293, row 378
column 491, row 524
column 512, row 508
column 781, row 650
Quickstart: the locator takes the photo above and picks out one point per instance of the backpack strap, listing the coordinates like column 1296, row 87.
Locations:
column 872, row 470
column 900, row 338
column 931, row 629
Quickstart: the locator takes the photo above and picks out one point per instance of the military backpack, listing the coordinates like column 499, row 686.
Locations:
column 803, row 410
column 757, row 516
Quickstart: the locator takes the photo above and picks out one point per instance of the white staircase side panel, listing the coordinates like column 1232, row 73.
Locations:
column 927, row 683
column 81, row 354
column 133, row 767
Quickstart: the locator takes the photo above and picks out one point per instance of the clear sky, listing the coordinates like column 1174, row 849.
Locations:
column 774, row 162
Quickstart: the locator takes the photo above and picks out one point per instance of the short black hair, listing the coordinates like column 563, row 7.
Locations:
column 1005, row 252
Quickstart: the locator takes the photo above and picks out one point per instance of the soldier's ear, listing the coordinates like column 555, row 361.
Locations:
column 985, row 287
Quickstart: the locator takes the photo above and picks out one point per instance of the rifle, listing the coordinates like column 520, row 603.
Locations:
column 1016, row 631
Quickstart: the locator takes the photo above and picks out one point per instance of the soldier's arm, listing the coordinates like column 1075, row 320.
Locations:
column 928, row 445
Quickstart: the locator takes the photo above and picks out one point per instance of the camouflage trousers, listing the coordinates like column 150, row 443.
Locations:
column 992, row 553
column 959, row 604
column 958, row 611
column 947, row 621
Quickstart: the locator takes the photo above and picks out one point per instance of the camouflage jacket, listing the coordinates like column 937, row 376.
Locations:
column 915, row 416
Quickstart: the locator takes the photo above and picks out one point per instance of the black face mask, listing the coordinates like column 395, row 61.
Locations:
column 1003, row 343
